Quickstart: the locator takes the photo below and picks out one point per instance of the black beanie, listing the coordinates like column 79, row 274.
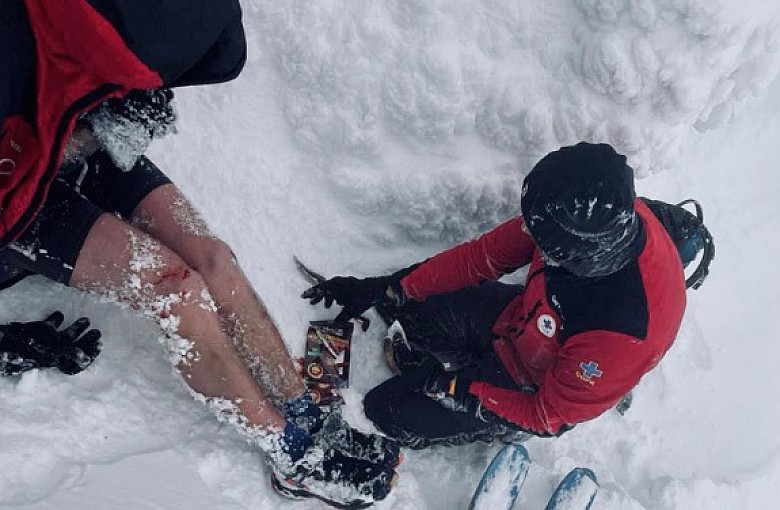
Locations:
column 578, row 205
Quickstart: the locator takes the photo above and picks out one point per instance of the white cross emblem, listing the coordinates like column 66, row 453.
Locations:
column 546, row 325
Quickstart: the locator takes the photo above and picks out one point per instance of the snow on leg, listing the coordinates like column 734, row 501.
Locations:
column 167, row 215
column 122, row 262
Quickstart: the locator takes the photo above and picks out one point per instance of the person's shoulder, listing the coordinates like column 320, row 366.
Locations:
column 617, row 302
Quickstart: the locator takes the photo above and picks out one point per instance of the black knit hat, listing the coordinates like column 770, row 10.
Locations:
column 578, row 205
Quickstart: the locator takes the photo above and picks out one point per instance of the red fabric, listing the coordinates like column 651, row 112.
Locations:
column 566, row 395
column 78, row 52
column 503, row 249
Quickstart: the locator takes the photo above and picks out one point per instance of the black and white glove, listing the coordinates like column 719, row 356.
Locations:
column 39, row 344
column 125, row 127
column 356, row 295
column 451, row 390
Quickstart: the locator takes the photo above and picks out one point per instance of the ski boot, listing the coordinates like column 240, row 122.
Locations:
column 331, row 427
column 373, row 448
column 332, row 477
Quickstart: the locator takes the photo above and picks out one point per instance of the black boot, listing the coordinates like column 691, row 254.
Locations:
column 359, row 445
column 337, row 432
column 334, row 478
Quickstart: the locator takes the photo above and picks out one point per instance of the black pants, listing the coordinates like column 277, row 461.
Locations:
column 456, row 329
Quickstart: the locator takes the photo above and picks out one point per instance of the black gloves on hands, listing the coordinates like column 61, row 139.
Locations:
column 356, row 295
column 39, row 344
column 451, row 390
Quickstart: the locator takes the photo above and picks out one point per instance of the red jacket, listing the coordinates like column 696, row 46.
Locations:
column 86, row 51
column 585, row 342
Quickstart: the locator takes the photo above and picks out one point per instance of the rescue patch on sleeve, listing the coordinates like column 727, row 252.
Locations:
column 589, row 371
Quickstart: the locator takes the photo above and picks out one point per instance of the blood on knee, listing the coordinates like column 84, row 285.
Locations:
column 177, row 281
column 172, row 276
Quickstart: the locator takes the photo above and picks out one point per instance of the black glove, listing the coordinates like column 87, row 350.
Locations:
column 28, row 345
column 356, row 295
column 451, row 390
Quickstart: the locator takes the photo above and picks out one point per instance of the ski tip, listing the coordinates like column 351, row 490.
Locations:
column 502, row 480
column 514, row 449
column 310, row 275
column 576, row 491
column 582, row 472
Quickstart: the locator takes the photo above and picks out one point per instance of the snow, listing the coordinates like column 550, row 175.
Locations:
column 364, row 136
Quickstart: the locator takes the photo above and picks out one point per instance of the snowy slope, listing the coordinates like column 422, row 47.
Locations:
column 364, row 136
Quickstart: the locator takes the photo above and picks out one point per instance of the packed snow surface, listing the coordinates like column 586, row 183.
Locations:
column 364, row 136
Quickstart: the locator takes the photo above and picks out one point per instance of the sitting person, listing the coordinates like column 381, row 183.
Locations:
column 83, row 91
column 602, row 302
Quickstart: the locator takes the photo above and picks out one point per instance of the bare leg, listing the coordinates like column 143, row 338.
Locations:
column 121, row 260
column 168, row 216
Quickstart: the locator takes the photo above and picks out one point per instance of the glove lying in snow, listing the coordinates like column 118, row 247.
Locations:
column 39, row 344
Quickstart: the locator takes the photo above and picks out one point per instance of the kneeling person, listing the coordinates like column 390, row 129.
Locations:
column 602, row 302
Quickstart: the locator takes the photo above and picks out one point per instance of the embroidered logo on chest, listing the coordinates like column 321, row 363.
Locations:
column 546, row 325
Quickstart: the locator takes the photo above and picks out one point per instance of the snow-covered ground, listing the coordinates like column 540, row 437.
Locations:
column 366, row 135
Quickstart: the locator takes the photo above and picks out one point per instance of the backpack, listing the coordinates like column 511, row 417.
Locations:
column 689, row 235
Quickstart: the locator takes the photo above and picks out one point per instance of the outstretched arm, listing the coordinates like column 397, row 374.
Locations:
column 500, row 251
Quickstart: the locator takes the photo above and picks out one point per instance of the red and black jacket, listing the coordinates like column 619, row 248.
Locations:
column 60, row 58
column 584, row 342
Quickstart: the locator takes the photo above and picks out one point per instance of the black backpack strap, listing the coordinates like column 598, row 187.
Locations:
column 697, row 277
column 689, row 235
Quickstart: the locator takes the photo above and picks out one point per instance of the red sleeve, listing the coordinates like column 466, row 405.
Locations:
column 594, row 370
column 503, row 249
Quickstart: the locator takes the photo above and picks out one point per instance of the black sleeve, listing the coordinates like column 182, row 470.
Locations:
column 17, row 61
column 187, row 42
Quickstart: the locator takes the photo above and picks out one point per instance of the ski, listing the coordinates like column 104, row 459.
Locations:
column 313, row 277
column 576, row 491
column 501, row 483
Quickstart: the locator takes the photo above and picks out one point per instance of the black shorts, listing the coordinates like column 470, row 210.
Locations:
column 81, row 192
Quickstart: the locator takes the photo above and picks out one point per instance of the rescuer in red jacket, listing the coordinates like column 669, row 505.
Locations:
column 601, row 304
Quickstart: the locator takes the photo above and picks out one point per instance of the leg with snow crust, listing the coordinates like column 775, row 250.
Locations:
column 123, row 262
column 358, row 467
column 168, row 216
column 126, row 263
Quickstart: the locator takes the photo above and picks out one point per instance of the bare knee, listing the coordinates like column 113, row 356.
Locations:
column 214, row 260
column 166, row 283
